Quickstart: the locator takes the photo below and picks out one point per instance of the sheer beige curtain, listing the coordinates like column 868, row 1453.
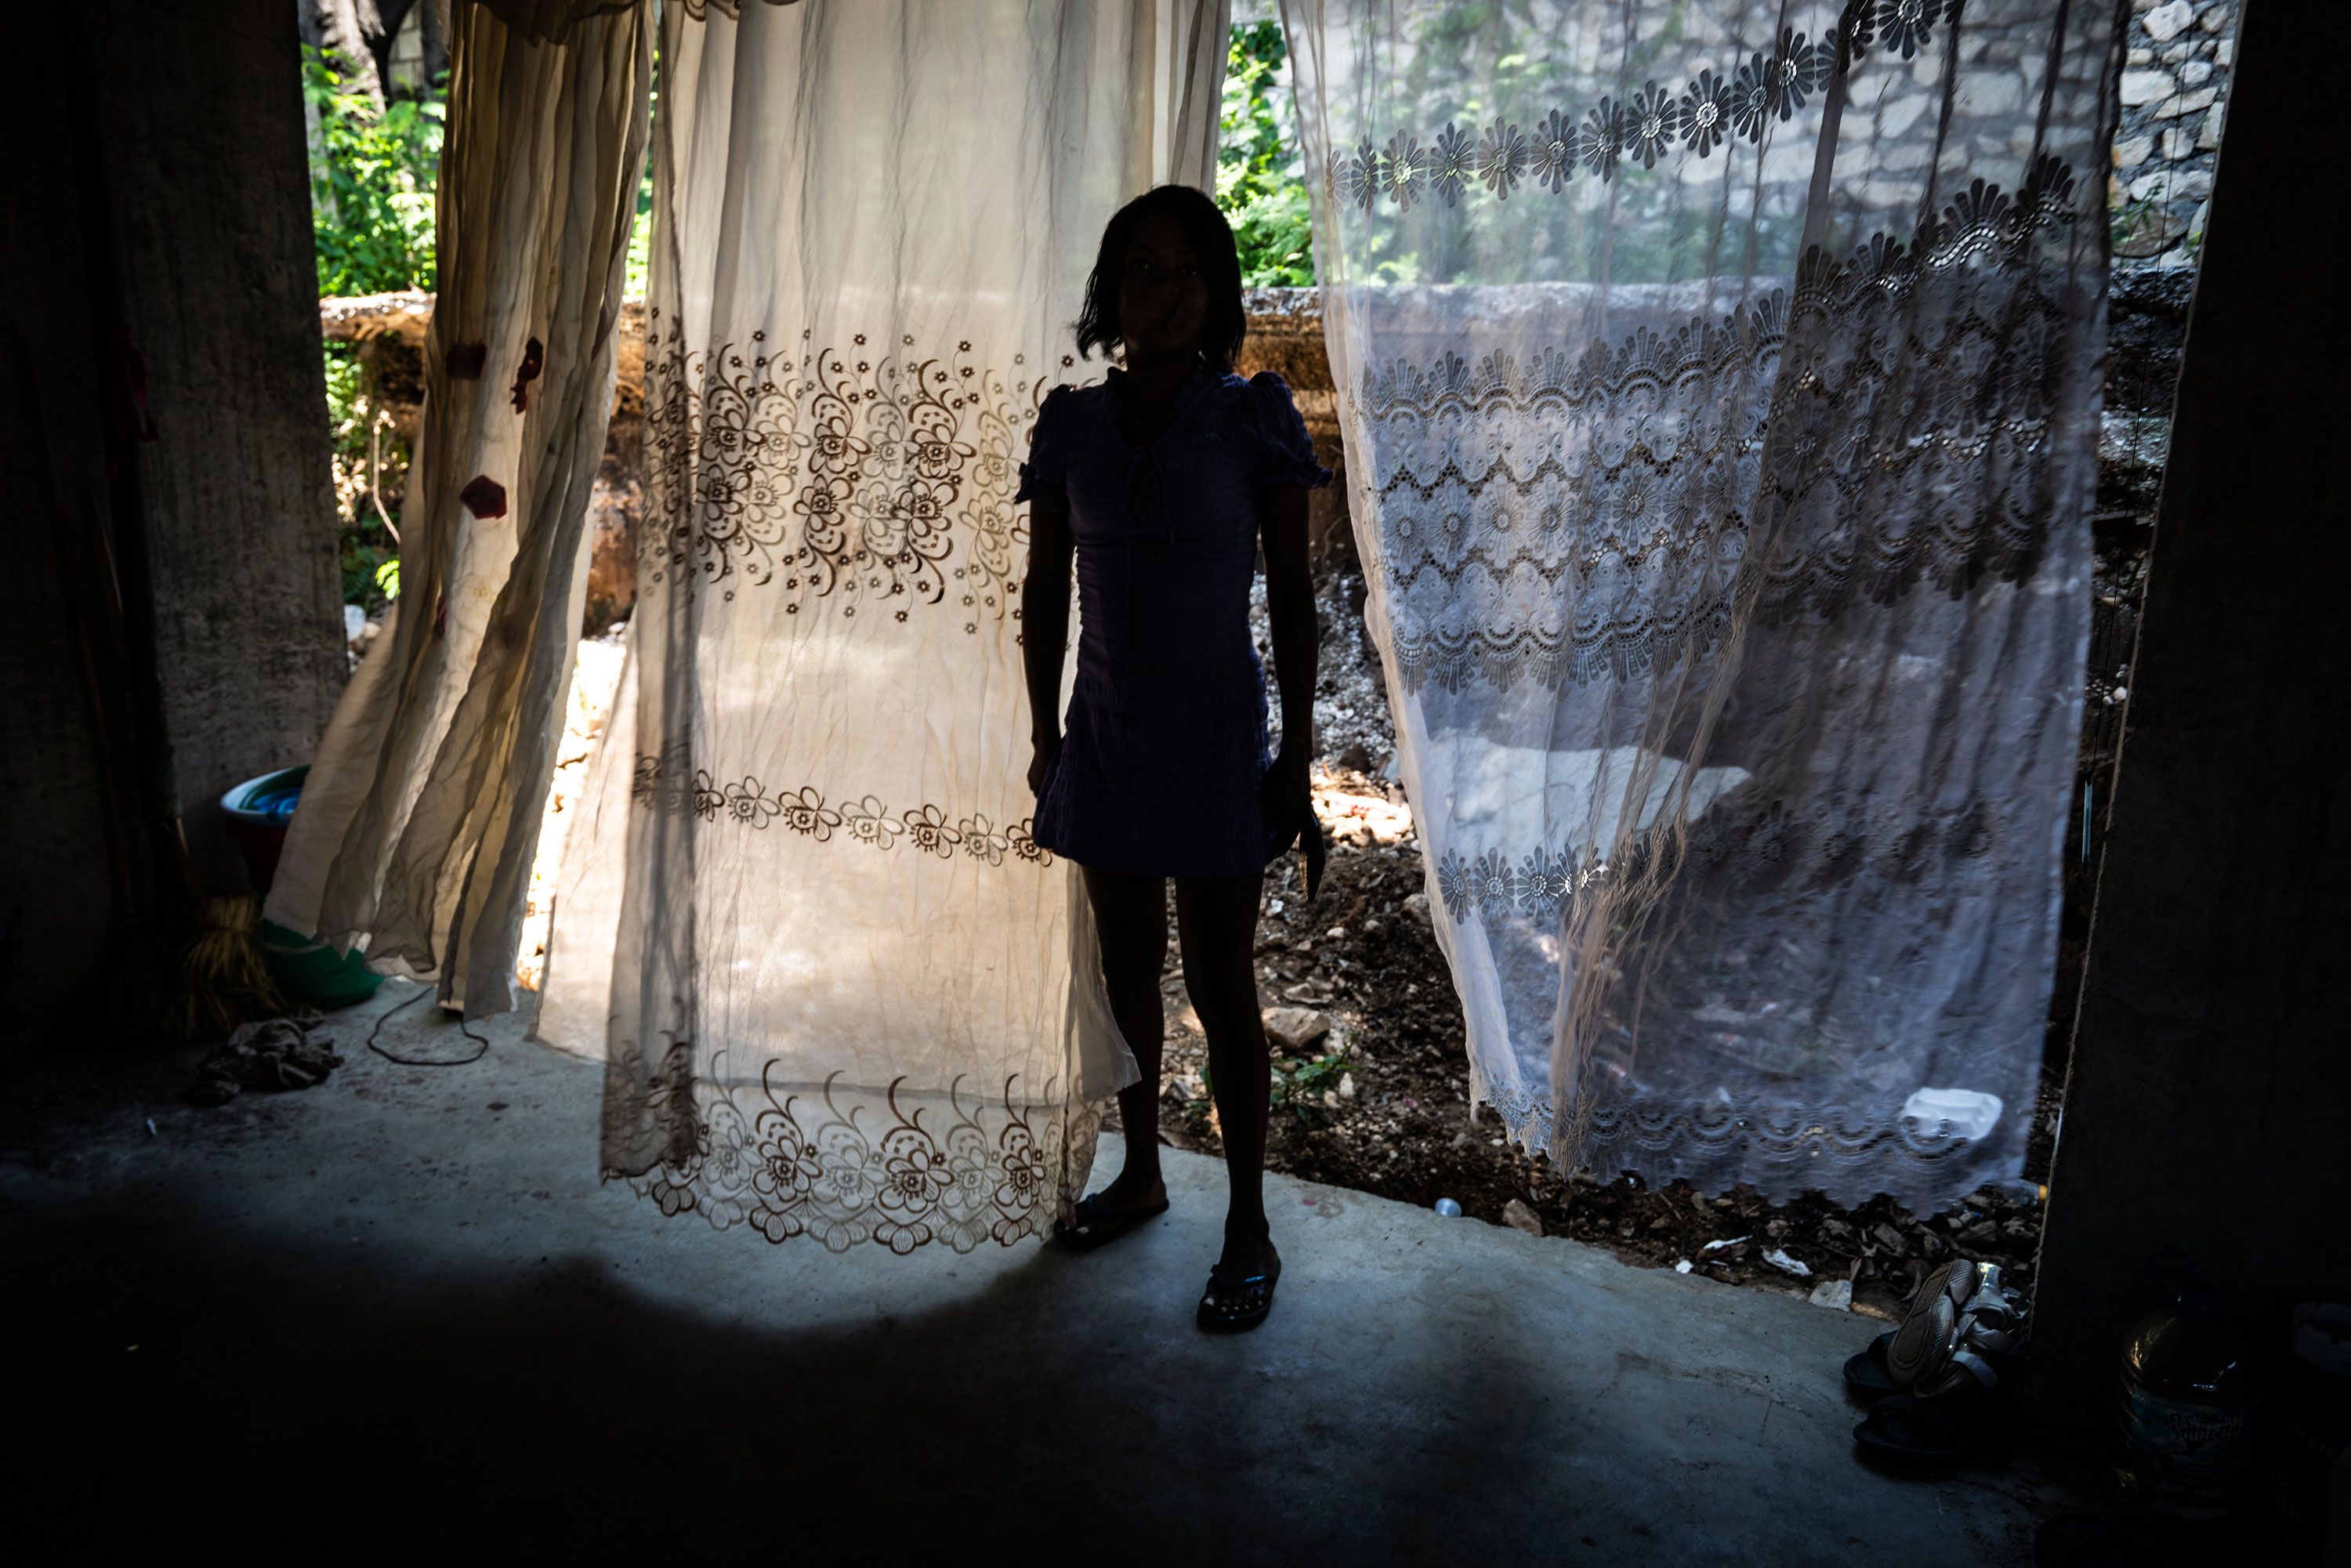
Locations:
column 840, row 991
column 1721, row 392
column 419, row 819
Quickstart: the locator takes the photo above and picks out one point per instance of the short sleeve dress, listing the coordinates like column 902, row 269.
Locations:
column 1167, row 737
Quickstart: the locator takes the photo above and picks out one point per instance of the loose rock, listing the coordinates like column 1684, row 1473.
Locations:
column 1296, row 1030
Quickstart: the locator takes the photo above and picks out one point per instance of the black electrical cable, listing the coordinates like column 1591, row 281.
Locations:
column 418, row 1061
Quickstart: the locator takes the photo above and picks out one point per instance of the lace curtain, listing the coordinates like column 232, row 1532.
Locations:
column 840, row 990
column 1720, row 391
column 421, row 812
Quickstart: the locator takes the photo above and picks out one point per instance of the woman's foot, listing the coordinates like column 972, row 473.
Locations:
column 1240, row 1287
column 1134, row 1190
column 1249, row 1249
column 1103, row 1217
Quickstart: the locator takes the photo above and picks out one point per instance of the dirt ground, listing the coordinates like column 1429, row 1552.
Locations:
column 1380, row 1103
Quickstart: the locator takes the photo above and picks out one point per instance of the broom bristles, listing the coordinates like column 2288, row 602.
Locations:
column 223, row 981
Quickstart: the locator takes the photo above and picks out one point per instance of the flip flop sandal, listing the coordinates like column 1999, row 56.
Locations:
column 1911, row 1432
column 1097, row 1226
column 1232, row 1306
column 1865, row 1378
column 1961, row 1324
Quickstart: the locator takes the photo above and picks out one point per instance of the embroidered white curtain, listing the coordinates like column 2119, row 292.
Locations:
column 840, row 990
column 1720, row 397
column 421, row 812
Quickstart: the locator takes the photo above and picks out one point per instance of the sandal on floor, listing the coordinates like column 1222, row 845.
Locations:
column 1911, row 1431
column 1230, row 1304
column 1963, row 1328
column 1097, row 1225
column 1865, row 1378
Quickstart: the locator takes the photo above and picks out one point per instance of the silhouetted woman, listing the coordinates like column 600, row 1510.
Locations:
column 1164, row 480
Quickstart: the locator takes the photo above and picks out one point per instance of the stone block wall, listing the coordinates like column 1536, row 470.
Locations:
column 2175, row 92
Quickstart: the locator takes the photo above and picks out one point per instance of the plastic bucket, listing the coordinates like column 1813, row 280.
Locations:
column 257, row 811
column 305, row 970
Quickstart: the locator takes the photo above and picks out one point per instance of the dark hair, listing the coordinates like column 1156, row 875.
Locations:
column 1220, row 264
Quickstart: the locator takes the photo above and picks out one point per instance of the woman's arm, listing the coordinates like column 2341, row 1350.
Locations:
column 1045, row 630
column 1297, row 639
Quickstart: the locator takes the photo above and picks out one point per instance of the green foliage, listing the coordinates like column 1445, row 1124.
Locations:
column 640, row 229
column 371, row 187
column 640, row 238
column 1302, row 1083
column 1260, row 173
column 369, row 464
column 371, row 177
column 1298, row 1082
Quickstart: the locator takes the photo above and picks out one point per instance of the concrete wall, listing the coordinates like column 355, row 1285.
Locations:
column 161, row 191
column 208, row 195
column 2210, row 1086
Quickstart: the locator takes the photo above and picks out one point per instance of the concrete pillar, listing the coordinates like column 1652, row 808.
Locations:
column 207, row 199
column 2209, row 1106
column 162, row 201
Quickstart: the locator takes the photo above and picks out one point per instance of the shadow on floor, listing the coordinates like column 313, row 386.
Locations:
column 271, row 1384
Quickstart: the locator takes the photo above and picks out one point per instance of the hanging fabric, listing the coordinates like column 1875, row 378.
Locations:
column 841, row 990
column 1720, row 394
column 420, row 811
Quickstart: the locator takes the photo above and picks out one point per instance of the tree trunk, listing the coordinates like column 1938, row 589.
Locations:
column 351, row 31
column 434, row 26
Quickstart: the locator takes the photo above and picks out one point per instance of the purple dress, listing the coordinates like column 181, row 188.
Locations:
column 1165, row 740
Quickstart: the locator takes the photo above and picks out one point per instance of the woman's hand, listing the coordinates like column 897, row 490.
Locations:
column 1039, row 762
column 1286, row 794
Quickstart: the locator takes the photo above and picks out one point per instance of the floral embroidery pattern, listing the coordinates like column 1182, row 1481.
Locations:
column 1781, row 1149
column 1904, row 26
column 1494, row 884
column 790, row 1166
column 848, row 475
column 1893, row 841
column 660, row 783
column 1553, row 519
column 1703, row 115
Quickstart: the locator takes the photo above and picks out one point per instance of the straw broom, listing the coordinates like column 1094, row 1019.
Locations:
column 223, row 980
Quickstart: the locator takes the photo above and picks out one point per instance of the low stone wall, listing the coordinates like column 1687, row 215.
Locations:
column 2175, row 92
column 1285, row 336
column 388, row 333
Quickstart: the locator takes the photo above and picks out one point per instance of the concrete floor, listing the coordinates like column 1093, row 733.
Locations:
column 403, row 1296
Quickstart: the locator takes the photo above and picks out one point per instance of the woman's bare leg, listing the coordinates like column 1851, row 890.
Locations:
column 1216, row 922
column 1131, row 916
